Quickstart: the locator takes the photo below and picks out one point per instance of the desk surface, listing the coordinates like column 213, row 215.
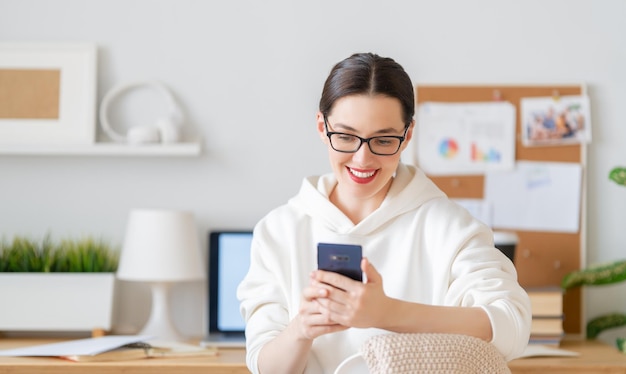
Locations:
column 228, row 361
column 596, row 357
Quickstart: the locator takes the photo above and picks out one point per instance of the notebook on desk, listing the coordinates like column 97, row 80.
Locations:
column 229, row 259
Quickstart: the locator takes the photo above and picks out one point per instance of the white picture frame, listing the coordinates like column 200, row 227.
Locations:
column 74, row 122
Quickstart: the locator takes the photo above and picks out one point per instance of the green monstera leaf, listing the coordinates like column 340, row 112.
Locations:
column 621, row 344
column 618, row 175
column 614, row 272
column 609, row 321
column 600, row 275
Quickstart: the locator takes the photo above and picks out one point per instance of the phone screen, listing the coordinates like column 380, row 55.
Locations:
column 344, row 259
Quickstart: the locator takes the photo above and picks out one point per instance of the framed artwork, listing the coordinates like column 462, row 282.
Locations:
column 47, row 93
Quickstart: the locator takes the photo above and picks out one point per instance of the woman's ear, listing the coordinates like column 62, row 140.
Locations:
column 409, row 135
column 321, row 127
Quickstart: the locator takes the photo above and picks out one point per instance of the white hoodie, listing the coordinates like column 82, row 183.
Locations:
column 427, row 249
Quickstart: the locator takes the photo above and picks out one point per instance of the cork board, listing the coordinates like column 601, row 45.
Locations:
column 541, row 258
column 29, row 93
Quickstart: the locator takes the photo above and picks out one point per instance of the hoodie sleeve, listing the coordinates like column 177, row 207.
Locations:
column 480, row 275
column 262, row 302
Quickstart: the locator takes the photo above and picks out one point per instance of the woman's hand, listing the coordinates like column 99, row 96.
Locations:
column 311, row 321
column 348, row 302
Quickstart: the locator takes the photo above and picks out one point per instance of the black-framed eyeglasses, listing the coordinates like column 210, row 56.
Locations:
column 387, row 145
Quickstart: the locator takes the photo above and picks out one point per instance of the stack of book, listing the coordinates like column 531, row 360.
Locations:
column 547, row 312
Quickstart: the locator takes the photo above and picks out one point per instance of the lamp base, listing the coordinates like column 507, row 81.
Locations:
column 160, row 324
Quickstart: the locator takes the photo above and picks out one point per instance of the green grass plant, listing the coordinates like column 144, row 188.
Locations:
column 85, row 255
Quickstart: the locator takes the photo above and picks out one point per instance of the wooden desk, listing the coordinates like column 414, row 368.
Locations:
column 228, row 361
column 596, row 357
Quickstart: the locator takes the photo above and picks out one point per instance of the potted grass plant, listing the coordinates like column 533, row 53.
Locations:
column 66, row 285
column 603, row 274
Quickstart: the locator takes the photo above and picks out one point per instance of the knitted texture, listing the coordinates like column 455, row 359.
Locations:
column 431, row 354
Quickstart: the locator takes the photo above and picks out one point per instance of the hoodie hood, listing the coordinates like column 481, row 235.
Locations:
column 409, row 190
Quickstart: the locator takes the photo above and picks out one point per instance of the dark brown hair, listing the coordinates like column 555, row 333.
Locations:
column 369, row 74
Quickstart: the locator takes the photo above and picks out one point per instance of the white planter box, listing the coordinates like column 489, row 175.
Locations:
column 56, row 301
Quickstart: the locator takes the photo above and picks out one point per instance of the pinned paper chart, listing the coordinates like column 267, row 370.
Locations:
column 465, row 138
column 448, row 148
column 537, row 196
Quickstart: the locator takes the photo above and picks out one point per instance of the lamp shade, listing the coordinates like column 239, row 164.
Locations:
column 161, row 246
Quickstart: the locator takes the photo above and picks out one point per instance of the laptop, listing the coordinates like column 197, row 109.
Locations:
column 229, row 259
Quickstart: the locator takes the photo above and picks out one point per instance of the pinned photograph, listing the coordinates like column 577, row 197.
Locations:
column 555, row 120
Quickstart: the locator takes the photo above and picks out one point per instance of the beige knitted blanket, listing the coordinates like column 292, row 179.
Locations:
column 432, row 354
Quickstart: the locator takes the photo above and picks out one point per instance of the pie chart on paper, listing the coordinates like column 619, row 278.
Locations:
column 448, row 148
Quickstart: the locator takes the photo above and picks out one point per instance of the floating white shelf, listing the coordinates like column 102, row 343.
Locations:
column 187, row 149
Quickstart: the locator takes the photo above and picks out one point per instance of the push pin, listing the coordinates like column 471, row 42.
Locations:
column 497, row 95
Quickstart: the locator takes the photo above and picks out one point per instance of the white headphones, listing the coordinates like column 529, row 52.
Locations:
column 165, row 130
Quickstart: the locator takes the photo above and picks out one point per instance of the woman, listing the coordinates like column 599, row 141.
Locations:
column 428, row 265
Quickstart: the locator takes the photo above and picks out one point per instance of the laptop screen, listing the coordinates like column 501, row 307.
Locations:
column 229, row 260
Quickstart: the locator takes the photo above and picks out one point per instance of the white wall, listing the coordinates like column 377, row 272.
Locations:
column 249, row 74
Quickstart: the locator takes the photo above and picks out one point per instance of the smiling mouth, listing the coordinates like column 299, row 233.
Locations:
column 362, row 174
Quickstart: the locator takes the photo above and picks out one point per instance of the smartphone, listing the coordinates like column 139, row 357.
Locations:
column 344, row 259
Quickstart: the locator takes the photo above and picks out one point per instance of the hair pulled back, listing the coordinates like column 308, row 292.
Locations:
column 369, row 74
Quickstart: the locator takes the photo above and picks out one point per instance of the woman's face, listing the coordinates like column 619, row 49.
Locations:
column 363, row 175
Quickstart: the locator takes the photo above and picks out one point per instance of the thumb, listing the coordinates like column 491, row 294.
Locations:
column 371, row 274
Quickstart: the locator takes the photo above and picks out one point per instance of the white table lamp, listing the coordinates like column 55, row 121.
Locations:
column 161, row 247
